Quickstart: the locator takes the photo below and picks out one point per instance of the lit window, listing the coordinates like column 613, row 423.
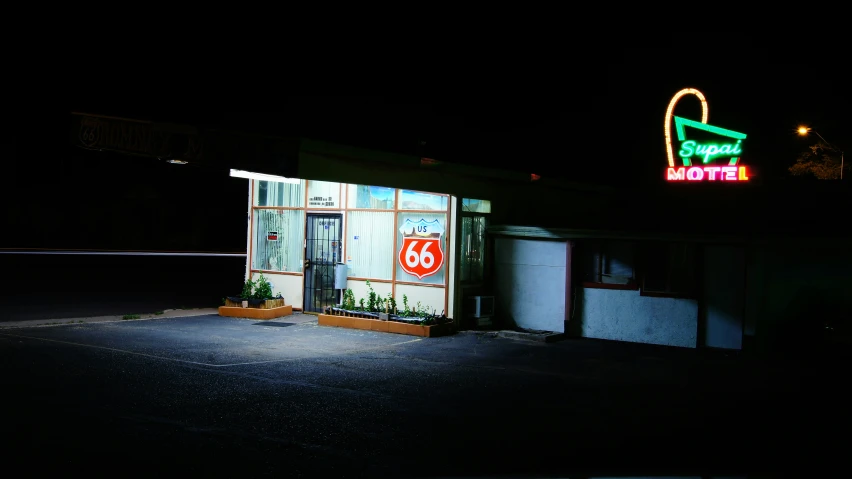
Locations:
column 476, row 206
column 278, row 240
column 371, row 197
column 416, row 200
column 270, row 193
column 426, row 256
column 323, row 194
column 369, row 244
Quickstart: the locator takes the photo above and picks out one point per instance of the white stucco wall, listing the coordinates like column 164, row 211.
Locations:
column 290, row 286
column 361, row 291
column 429, row 297
column 625, row 315
column 530, row 283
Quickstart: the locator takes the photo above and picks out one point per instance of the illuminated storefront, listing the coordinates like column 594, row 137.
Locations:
column 399, row 241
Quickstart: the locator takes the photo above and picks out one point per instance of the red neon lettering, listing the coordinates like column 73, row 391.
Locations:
column 711, row 171
column 678, row 174
column 696, row 173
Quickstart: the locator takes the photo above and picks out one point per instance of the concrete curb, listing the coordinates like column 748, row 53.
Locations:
column 540, row 337
column 168, row 313
column 520, row 335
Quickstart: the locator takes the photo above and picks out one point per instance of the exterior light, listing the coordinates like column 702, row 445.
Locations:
column 803, row 130
column 263, row 177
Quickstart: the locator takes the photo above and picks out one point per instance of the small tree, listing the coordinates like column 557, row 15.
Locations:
column 819, row 160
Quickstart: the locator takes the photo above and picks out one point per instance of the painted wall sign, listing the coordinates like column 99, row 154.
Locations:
column 322, row 201
column 138, row 137
column 182, row 143
column 704, row 152
column 421, row 254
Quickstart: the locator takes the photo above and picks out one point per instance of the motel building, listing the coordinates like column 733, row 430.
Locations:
column 519, row 251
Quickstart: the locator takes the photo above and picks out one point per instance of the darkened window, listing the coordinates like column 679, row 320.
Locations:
column 472, row 256
column 606, row 263
column 668, row 269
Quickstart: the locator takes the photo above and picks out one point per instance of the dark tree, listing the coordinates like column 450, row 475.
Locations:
column 820, row 160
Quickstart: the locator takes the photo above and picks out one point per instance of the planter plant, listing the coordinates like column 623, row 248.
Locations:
column 256, row 300
column 382, row 314
column 257, row 294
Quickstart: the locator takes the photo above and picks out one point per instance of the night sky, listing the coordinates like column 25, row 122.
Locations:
column 592, row 119
column 598, row 119
column 761, row 92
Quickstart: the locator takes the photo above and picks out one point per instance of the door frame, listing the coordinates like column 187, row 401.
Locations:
column 307, row 306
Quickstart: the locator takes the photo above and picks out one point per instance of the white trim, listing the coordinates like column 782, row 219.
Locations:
column 125, row 253
column 263, row 177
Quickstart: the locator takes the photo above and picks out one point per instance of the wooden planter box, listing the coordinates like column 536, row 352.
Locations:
column 267, row 304
column 269, row 309
column 387, row 326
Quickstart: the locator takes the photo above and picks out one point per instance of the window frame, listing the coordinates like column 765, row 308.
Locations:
column 341, row 190
column 398, row 245
column 255, row 195
column 253, row 239
column 484, row 244
column 346, row 242
column 344, row 209
column 597, row 248
column 693, row 256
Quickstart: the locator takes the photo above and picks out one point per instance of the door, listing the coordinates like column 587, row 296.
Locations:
column 323, row 249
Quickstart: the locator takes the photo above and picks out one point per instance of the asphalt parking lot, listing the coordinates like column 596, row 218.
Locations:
column 224, row 396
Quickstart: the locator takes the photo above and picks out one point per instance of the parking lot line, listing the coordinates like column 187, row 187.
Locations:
column 105, row 348
column 354, row 351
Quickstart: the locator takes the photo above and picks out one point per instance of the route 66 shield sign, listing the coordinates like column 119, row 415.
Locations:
column 421, row 253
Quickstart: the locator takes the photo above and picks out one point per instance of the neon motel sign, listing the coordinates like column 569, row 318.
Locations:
column 699, row 160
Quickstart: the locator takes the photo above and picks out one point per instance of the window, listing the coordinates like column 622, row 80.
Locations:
column 323, row 194
column 278, row 240
column 607, row 264
column 422, row 256
column 416, row 200
column 669, row 269
column 369, row 244
column 476, row 206
column 271, row 193
column 472, row 255
column 372, row 197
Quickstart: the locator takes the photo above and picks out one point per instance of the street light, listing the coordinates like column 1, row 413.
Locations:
column 803, row 130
